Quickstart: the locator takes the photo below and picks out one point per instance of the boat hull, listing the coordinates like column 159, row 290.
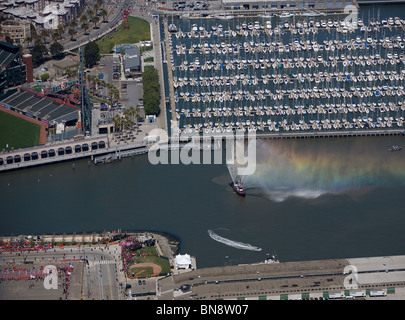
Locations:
column 242, row 193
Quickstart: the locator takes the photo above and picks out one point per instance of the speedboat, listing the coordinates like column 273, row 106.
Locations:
column 395, row 148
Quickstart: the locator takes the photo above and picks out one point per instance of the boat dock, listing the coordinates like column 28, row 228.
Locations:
column 42, row 155
column 118, row 155
column 264, row 75
column 167, row 42
column 379, row 2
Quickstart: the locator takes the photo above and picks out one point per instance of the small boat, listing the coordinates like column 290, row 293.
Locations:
column 395, row 148
column 172, row 28
column 224, row 17
column 310, row 14
column 238, row 188
column 287, row 15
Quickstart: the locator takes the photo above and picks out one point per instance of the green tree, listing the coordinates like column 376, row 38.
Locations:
column 33, row 31
column 118, row 122
column 59, row 30
column 71, row 32
column 103, row 13
column 95, row 20
column 44, row 34
column 85, row 27
column 151, row 91
column 38, row 52
column 91, row 54
column 96, row 8
column 56, row 50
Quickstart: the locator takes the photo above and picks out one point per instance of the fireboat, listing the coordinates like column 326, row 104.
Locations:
column 238, row 188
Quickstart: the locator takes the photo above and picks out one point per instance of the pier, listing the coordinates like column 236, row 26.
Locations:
column 60, row 152
column 379, row 2
column 170, row 76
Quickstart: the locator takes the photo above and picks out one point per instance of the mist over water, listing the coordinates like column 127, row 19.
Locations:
column 313, row 168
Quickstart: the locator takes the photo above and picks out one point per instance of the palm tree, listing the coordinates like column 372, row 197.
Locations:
column 55, row 36
column 71, row 33
column 73, row 24
column 44, row 34
column 85, row 26
column 59, row 30
column 96, row 8
column 95, row 19
column 33, row 31
column 103, row 12
column 118, row 122
column 83, row 18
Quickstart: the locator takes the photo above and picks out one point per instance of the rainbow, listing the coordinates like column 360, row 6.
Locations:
column 312, row 168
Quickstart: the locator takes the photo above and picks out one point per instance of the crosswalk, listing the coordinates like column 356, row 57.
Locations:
column 94, row 263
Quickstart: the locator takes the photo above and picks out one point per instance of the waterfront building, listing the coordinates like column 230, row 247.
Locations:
column 183, row 261
column 132, row 62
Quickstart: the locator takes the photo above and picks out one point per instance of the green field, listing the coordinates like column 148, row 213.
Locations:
column 139, row 30
column 150, row 255
column 17, row 133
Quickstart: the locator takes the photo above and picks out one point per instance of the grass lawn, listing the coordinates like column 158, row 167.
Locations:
column 17, row 133
column 139, row 30
column 152, row 256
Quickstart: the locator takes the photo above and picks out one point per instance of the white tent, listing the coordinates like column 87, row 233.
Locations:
column 60, row 127
column 183, row 261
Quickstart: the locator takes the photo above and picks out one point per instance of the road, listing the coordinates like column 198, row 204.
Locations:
column 104, row 29
column 288, row 278
column 99, row 270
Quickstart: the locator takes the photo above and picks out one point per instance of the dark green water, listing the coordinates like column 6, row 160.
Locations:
column 309, row 199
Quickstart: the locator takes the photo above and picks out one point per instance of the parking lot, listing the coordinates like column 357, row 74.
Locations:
column 142, row 288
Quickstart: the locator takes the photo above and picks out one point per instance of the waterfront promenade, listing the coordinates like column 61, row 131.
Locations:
column 98, row 274
column 73, row 150
column 333, row 278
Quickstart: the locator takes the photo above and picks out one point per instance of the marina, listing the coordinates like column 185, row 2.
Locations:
column 294, row 74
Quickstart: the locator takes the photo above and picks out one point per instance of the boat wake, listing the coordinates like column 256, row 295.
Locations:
column 232, row 243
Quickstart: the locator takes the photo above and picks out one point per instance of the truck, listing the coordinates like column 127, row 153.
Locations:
column 378, row 293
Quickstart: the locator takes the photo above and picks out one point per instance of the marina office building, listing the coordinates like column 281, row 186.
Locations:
column 270, row 5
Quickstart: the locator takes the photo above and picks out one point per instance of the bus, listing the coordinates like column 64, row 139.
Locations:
column 78, row 137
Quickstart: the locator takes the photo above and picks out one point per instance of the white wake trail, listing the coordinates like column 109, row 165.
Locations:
column 232, row 243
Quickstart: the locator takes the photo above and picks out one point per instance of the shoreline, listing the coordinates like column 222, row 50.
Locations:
column 168, row 243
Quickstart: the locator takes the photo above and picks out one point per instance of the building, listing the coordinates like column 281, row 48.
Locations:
column 183, row 261
column 45, row 14
column 12, row 68
column 29, row 67
column 330, row 5
column 132, row 62
column 18, row 31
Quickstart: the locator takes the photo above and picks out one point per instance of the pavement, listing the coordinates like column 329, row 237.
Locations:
column 288, row 278
column 99, row 279
column 114, row 19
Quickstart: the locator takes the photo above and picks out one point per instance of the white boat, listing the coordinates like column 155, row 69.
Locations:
column 287, row 15
column 172, row 28
column 224, row 17
column 310, row 14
